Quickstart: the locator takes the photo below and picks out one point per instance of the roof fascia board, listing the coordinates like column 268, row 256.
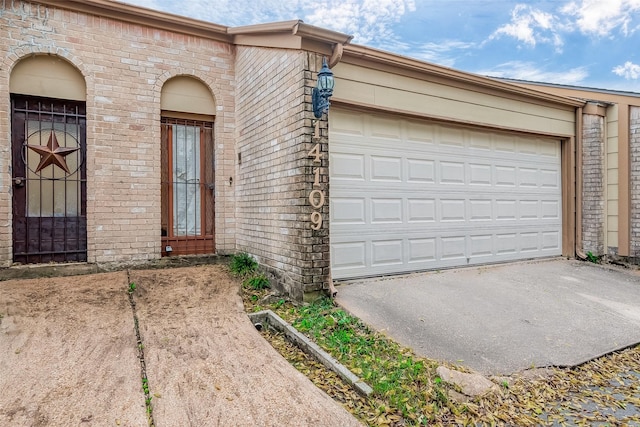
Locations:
column 295, row 28
column 403, row 65
column 271, row 27
column 282, row 41
column 589, row 94
column 144, row 16
column 321, row 34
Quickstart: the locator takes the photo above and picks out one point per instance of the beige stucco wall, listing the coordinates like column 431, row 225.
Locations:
column 385, row 90
column 125, row 67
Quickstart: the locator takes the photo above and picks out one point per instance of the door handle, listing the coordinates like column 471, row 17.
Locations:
column 19, row 181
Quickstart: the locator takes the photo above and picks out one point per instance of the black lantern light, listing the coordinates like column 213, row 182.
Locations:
column 323, row 90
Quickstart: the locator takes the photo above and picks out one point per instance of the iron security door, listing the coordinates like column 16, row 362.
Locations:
column 49, row 180
column 187, row 194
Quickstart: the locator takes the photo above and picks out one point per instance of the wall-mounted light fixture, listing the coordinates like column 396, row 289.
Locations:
column 323, row 90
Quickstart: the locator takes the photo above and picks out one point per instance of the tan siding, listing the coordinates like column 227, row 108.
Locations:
column 385, row 90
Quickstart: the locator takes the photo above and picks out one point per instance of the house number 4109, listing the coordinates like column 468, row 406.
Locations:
column 316, row 197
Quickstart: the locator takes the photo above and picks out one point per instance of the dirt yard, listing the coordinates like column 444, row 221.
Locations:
column 69, row 355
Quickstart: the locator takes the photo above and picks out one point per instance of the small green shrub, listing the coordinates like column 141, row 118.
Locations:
column 257, row 281
column 592, row 258
column 242, row 264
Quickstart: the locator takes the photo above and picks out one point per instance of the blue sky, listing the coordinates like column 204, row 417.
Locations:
column 593, row 43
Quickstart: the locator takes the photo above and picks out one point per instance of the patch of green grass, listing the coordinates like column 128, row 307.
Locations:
column 242, row 265
column 408, row 391
column 132, row 287
column 400, row 380
column 257, row 281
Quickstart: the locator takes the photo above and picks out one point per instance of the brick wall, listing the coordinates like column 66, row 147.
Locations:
column 124, row 66
column 593, row 184
column 634, row 185
column 275, row 174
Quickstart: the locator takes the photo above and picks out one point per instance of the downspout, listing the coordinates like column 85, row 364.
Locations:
column 579, row 253
column 336, row 56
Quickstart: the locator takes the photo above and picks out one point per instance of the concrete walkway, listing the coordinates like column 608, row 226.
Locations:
column 505, row 318
column 69, row 355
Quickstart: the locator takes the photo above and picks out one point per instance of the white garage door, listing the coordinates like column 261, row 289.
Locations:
column 414, row 195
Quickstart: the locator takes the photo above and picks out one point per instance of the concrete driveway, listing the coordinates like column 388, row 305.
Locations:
column 70, row 355
column 504, row 318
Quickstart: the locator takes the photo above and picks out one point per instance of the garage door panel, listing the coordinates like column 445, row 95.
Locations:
column 406, row 211
column 346, row 166
column 386, row 252
column 421, row 250
column 418, row 252
column 386, row 211
column 421, row 171
column 551, row 241
column 386, row 168
column 551, row 209
column 345, row 210
column 550, row 178
column 388, row 129
column 530, row 242
column 439, row 196
column 421, row 210
column 481, row 246
column 479, row 174
column 350, row 256
column 374, row 168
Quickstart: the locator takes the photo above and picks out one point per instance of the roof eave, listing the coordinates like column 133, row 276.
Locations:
column 296, row 28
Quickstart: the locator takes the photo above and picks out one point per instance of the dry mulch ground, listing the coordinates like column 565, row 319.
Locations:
column 69, row 355
column 603, row 392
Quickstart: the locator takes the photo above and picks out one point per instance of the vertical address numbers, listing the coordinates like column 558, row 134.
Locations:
column 316, row 196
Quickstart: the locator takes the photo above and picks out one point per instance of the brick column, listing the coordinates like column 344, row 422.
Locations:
column 275, row 173
column 316, row 235
column 593, row 214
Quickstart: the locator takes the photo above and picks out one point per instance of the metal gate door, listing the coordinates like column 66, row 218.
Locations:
column 187, row 187
column 49, row 180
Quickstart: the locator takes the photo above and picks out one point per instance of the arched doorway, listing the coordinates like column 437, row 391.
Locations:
column 48, row 146
column 188, row 174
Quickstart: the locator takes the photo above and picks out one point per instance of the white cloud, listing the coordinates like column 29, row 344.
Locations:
column 370, row 21
column 629, row 70
column 600, row 17
column 532, row 72
column 531, row 26
column 443, row 53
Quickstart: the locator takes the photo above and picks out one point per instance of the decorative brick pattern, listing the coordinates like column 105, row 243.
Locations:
column 124, row 66
column 634, row 185
column 593, row 184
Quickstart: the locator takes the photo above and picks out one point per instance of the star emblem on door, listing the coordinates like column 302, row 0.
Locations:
column 52, row 154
